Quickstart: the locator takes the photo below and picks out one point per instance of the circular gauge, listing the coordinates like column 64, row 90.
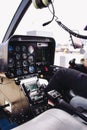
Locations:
column 19, row 72
column 10, row 48
column 30, row 49
column 18, row 56
column 31, row 59
column 10, row 62
column 17, row 48
column 25, row 63
column 18, row 64
column 31, row 69
column 24, row 48
column 25, row 70
column 24, row 55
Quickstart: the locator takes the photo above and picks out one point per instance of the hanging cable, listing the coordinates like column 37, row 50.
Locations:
column 72, row 41
column 45, row 3
column 53, row 13
column 70, row 31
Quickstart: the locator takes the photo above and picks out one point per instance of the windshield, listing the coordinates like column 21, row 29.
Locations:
column 70, row 13
column 7, row 10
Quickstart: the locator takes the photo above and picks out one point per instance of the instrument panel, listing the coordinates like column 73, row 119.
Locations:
column 29, row 55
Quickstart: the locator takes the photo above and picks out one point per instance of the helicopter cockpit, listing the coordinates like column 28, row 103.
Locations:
column 26, row 67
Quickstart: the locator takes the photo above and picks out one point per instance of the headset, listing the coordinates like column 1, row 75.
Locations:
column 41, row 3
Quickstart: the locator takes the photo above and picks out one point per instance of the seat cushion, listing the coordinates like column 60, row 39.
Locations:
column 53, row 119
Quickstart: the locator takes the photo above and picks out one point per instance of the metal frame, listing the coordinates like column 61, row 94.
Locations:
column 24, row 5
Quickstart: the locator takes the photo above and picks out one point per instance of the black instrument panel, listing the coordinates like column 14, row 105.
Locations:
column 29, row 55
